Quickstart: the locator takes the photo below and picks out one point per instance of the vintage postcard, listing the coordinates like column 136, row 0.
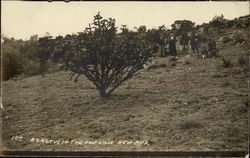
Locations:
column 124, row 76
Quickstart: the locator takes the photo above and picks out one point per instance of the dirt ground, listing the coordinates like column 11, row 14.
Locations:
column 195, row 105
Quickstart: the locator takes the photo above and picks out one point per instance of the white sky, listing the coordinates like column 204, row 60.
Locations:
column 20, row 19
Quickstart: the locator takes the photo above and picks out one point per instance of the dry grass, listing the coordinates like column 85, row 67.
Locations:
column 181, row 108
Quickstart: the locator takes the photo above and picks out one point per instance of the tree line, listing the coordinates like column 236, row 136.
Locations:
column 101, row 53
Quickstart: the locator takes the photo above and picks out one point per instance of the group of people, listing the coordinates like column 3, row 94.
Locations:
column 207, row 51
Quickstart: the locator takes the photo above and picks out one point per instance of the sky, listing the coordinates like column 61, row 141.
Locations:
column 20, row 19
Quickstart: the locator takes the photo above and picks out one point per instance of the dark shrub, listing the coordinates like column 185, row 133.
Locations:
column 226, row 62
column 226, row 39
column 12, row 65
column 105, row 57
column 243, row 60
column 19, row 58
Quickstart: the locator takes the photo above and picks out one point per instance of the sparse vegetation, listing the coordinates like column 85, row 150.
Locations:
column 226, row 39
column 238, row 38
column 183, row 103
column 19, row 57
column 218, row 21
column 226, row 62
column 243, row 60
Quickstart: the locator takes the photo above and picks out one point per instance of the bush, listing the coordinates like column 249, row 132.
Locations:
column 105, row 57
column 226, row 39
column 218, row 22
column 238, row 38
column 230, row 24
column 12, row 65
column 239, row 24
column 243, row 60
column 226, row 62
column 19, row 58
column 31, row 67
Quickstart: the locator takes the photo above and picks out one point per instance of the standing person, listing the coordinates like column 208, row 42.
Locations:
column 162, row 44
column 172, row 46
column 194, row 43
column 184, row 42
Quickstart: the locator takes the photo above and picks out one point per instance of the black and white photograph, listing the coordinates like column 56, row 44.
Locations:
column 124, row 76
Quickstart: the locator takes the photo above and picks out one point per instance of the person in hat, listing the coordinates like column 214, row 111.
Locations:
column 162, row 45
column 172, row 46
column 184, row 42
column 194, row 43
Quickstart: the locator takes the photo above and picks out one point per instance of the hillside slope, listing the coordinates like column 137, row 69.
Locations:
column 196, row 105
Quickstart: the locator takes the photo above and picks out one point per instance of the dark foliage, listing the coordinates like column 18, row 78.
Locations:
column 19, row 57
column 105, row 57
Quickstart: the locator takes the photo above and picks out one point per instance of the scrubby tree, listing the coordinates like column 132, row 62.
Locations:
column 142, row 29
column 157, row 38
column 218, row 21
column 124, row 29
column 19, row 57
column 29, row 48
column 105, row 57
column 182, row 27
column 45, row 49
column 11, row 59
